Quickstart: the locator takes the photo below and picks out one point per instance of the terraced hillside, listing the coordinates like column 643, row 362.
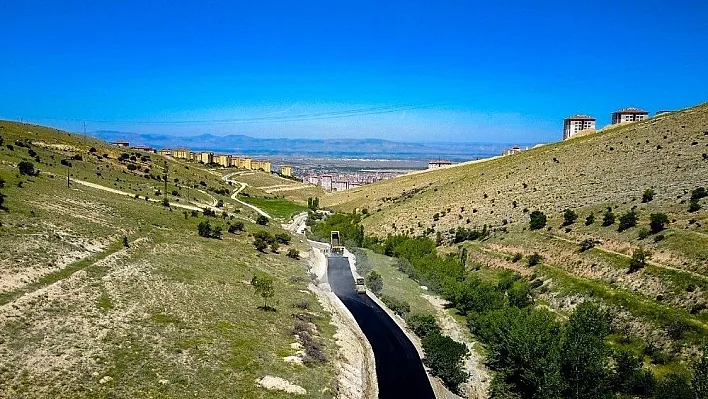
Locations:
column 108, row 290
column 659, row 300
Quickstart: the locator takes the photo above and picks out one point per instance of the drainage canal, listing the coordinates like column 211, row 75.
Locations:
column 399, row 370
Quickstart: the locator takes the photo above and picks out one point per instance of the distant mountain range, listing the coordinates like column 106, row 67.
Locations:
column 327, row 148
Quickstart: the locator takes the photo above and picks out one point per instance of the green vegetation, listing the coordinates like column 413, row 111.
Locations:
column 569, row 217
column 628, row 220
column 648, row 195
column 351, row 233
column 263, row 285
column 658, row 222
column 608, row 218
column 537, row 220
column 277, row 207
column 444, row 356
column 374, row 282
column 205, row 229
column 590, row 219
column 639, row 260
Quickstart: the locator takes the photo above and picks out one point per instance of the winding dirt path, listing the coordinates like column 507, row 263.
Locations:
column 234, row 196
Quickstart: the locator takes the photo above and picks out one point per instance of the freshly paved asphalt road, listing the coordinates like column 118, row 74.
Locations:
column 399, row 370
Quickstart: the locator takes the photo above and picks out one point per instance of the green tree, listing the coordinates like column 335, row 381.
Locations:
column 648, row 195
column 423, row 324
column 283, row 238
column 444, row 356
column 628, row 220
column 658, row 222
column 673, row 386
column 26, row 168
column 569, row 217
column 638, row 260
column 264, row 287
column 585, row 354
column 590, row 219
column 235, row 227
column 534, row 259
column 293, row 253
column 608, row 218
column 374, row 281
column 262, row 220
column 204, row 229
column 260, row 244
column 537, row 220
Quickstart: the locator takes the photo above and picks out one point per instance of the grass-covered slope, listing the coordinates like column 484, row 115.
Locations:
column 611, row 167
column 173, row 314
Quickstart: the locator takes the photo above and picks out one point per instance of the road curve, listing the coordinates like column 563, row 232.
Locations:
column 399, row 370
column 234, row 196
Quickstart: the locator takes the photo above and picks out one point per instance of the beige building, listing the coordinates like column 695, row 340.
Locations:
column 234, row 161
column 576, row 124
column 286, row 170
column 206, row 157
column 165, row 151
column 438, row 164
column 181, row 154
column 244, row 163
column 261, row 165
column 326, row 182
column 223, row 160
column 629, row 115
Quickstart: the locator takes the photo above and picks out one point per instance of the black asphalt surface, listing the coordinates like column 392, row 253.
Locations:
column 399, row 370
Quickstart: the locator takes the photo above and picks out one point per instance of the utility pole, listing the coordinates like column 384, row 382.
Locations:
column 165, row 178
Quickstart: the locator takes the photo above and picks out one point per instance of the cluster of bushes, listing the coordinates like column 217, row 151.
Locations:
column 263, row 239
column 463, row 234
column 27, row 168
column 696, row 195
column 347, row 224
column 235, row 227
column 399, row 307
column 314, row 349
column 374, row 282
column 205, row 229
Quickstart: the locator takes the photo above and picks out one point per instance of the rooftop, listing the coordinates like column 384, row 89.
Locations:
column 580, row 118
column 631, row 110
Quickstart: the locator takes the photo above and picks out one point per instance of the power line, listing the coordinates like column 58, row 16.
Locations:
column 264, row 119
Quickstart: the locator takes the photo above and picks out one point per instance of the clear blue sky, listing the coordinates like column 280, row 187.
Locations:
column 494, row 71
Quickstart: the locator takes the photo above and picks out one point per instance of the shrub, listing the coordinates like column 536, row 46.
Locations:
column 694, row 206
column 537, row 220
column 517, row 257
column 397, row 306
column 658, row 237
column 445, row 356
column 658, row 222
column 608, row 218
column 293, row 253
column 569, row 217
column 220, row 204
column 677, row 329
column 2, row 201
column 165, row 202
column 590, row 219
column 698, row 194
column 534, row 259
column 26, row 168
column 628, row 220
column 643, row 233
column 638, row 260
column 374, row 281
column 205, row 230
column 236, row 226
column 260, row 244
column 262, row 220
column 283, row 238
column 423, row 324
column 587, row 244
column 274, row 247
column 673, row 386
column 175, row 193
column 648, row 195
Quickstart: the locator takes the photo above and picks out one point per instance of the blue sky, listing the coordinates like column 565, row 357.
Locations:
column 492, row 71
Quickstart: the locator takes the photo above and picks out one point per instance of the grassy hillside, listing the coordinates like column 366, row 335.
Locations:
column 171, row 314
column 662, row 305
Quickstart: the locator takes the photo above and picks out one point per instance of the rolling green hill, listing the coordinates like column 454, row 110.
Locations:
column 106, row 291
column 660, row 303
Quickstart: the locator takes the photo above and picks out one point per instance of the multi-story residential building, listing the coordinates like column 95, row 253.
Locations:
column 165, row 151
column 244, row 163
column 206, row 157
column 182, row 154
column 234, row 161
column 629, row 115
column 340, row 185
column 286, row 170
column 260, row 165
column 223, row 160
column 576, row 124
column 326, row 182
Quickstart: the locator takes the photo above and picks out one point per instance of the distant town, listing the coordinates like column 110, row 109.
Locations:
column 332, row 179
